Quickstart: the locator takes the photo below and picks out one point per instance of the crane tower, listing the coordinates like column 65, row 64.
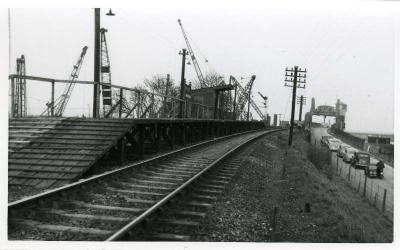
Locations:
column 105, row 73
column 61, row 102
column 244, row 97
column 19, row 90
column 192, row 56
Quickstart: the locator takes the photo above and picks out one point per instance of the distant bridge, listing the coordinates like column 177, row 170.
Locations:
column 339, row 112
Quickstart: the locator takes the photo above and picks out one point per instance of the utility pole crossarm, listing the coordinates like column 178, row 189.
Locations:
column 296, row 78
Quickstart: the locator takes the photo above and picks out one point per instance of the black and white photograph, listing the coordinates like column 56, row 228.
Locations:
column 244, row 123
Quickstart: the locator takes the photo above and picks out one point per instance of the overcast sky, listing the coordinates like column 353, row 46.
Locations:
column 347, row 50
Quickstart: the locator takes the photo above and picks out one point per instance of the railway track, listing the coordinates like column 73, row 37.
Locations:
column 121, row 204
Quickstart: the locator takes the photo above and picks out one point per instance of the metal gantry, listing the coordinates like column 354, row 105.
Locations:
column 18, row 93
column 105, row 73
column 58, row 106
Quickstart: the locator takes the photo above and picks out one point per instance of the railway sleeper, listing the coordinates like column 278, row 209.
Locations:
column 82, row 216
column 153, row 182
column 78, row 204
column 188, row 214
column 61, row 228
column 180, row 222
column 140, row 187
column 168, row 237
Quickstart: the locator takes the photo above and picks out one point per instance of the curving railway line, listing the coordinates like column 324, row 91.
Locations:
column 142, row 201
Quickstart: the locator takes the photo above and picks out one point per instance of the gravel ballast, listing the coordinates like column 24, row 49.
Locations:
column 309, row 206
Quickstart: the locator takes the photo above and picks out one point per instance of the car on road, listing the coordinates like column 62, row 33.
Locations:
column 375, row 169
column 324, row 139
column 341, row 150
column 333, row 144
column 349, row 154
column 361, row 160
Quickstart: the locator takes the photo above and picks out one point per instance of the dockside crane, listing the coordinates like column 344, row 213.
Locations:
column 243, row 94
column 61, row 102
column 265, row 103
column 244, row 97
column 193, row 57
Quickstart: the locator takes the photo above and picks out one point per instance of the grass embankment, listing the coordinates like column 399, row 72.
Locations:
column 312, row 204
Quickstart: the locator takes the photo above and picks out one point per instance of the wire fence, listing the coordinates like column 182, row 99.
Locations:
column 376, row 191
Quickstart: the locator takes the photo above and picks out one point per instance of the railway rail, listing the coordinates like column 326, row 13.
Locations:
column 114, row 205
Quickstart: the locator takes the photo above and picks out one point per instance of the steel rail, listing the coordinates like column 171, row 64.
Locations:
column 31, row 200
column 127, row 228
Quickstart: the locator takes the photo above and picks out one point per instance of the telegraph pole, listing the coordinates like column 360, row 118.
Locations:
column 96, row 77
column 166, row 94
column 302, row 101
column 296, row 78
column 184, row 53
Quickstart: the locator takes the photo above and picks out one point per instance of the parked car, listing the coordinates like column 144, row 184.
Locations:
column 375, row 169
column 333, row 144
column 361, row 160
column 324, row 139
column 341, row 150
column 349, row 154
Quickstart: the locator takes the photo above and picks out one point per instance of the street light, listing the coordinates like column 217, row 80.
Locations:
column 110, row 13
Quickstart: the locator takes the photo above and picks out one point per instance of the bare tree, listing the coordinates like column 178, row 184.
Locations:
column 150, row 100
column 211, row 79
column 158, row 84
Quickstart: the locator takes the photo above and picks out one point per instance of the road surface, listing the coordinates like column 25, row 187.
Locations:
column 374, row 188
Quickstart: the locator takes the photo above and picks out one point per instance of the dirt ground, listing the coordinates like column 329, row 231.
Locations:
column 279, row 195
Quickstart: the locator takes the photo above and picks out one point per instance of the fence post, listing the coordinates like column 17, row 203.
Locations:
column 274, row 215
column 384, row 201
column 337, row 164
column 120, row 102
column 359, row 185
column 365, row 185
column 348, row 177
column 372, row 188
